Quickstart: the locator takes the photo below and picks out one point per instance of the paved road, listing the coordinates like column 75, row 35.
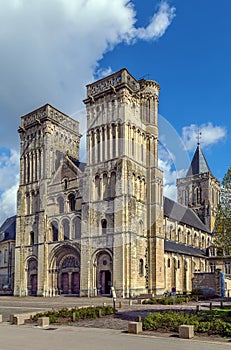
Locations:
column 74, row 338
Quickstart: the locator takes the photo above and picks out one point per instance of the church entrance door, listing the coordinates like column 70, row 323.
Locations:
column 105, row 282
column 75, row 283
column 33, row 284
column 65, row 283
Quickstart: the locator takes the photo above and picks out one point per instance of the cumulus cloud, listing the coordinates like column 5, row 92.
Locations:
column 167, row 163
column 174, row 158
column 50, row 50
column 159, row 23
column 209, row 134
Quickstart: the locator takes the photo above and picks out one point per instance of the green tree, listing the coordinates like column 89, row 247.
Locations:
column 222, row 231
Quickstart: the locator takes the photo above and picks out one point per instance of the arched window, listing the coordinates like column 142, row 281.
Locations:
column 104, row 226
column 179, row 234
column 195, row 238
column 77, row 226
column 65, row 184
column 188, row 238
column 202, row 242
column 66, row 230
column 169, row 262
column 61, row 205
column 31, row 238
column 71, row 199
column 141, row 267
column 54, row 228
column 97, row 187
column 105, row 186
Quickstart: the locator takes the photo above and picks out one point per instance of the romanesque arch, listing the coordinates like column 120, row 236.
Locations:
column 103, row 269
column 65, row 270
column 32, row 276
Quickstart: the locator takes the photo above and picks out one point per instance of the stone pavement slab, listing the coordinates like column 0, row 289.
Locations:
column 73, row 338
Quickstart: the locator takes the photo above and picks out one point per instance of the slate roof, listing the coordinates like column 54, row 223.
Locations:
column 199, row 164
column 9, row 228
column 182, row 214
column 170, row 246
column 79, row 164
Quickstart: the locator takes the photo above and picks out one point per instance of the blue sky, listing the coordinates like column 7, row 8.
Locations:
column 51, row 50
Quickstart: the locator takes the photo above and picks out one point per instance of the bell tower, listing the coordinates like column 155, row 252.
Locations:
column 123, row 196
column 200, row 189
column 46, row 135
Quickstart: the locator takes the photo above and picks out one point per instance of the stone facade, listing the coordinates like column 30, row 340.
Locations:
column 82, row 228
column 7, row 244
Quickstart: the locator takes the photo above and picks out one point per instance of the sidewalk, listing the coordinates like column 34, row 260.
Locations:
column 74, row 338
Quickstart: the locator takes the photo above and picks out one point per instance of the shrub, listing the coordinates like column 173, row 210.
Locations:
column 203, row 322
column 82, row 313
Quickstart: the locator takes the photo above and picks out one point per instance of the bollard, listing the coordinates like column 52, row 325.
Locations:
column 120, row 304
column 130, row 302
column 73, row 317
column 210, row 306
column 186, row 331
column 134, row 327
column 198, row 308
column 222, row 305
column 43, row 321
column 100, row 313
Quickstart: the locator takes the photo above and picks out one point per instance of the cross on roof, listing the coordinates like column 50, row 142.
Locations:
column 199, row 137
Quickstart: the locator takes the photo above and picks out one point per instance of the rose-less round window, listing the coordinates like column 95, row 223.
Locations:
column 104, row 262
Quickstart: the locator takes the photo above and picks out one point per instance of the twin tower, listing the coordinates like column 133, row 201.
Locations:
column 84, row 227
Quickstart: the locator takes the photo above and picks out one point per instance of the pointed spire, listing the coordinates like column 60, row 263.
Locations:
column 199, row 164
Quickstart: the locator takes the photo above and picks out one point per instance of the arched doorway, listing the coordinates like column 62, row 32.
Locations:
column 64, row 270
column 103, row 263
column 32, row 276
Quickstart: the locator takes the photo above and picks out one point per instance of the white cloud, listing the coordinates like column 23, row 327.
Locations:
column 49, row 51
column 8, row 203
column 167, row 164
column 174, row 159
column 210, row 134
column 102, row 72
column 9, row 178
column 159, row 23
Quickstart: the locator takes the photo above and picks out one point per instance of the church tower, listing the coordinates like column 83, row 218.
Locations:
column 46, row 135
column 122, row 240
column 200, row 189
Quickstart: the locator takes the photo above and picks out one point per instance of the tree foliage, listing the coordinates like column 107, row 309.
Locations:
column 222, row 231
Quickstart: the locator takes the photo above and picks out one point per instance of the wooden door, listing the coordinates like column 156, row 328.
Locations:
column 65, row 283
column 33, row 284
column 75, row 283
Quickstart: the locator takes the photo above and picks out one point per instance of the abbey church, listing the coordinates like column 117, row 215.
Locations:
column 82, row 228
